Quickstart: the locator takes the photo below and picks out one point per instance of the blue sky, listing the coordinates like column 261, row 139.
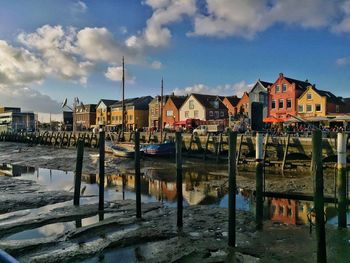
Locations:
column 50, row 50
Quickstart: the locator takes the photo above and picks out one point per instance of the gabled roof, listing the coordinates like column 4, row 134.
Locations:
column 178, row 100
column 206, row 100
column 107, row 102
column 233, row 100
column 140, row 103
column 265, row 83
column 302, row 85
column 330, row 96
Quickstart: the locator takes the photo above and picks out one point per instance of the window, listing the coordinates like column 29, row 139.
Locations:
column 222, row 114
column 280, row 104
column 289, row 103
column 309, row 96
column 217, row 115
column 273, row 104
column 284, row 88
column 336, row 108
column 308, row 107
column 130, row 117
column 196, row 114
column 191, row 104
column 300, row 108
column 187, row 114
column 211, row 113
column 318, row 107
column 277, row 88
column 169, row 113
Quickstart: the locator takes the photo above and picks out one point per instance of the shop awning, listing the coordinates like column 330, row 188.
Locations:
column 272, row 119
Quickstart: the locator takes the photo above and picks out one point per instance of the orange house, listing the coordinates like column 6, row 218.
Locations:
column 171, row 110
column 231, row 104
column 243, row 105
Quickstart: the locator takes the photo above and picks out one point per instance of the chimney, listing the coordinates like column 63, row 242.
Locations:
column 306, row 80
column 173, row 94
column 281, row 74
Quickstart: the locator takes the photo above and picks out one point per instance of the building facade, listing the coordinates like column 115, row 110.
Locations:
column 231, row 104
column 319, row 103
column 84, row 117
column 14, row 120
column 203, row 107
column 283, row 95
column 103, row 112
column 154, row 108
column 171, row 110
column 242, row 107
column 259, row 94
column 136, row 113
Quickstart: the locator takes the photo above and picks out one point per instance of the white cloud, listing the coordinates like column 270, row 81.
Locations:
column 28, row 99
column 165, row 12
column 343, row 61
column 116, row 73
column 19, row 66
column 79, row 7
column 221, row 90
column 156, row 64
column 246, row 18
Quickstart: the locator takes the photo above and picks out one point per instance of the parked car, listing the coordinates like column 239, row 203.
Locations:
column 205, row 129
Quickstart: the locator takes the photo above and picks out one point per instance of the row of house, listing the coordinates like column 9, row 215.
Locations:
column 281, row 99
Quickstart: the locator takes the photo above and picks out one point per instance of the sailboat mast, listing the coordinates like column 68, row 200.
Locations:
column 123, row 106
column 161, row 110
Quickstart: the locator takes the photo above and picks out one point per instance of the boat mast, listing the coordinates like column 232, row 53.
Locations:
column 161, row 110
column 123, row 106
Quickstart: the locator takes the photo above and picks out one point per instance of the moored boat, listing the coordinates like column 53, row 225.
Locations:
column 159, row 149
column 120, row 150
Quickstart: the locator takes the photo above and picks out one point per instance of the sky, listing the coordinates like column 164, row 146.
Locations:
column 51, row 50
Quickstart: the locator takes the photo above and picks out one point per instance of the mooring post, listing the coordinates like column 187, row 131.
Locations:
column 259, row 180
column 137, row 174
column 232, row 188
column 179, row 179
column 317, row 173
column 341, row 179
column 78, row 171
column 285, row 153
column 101, row 170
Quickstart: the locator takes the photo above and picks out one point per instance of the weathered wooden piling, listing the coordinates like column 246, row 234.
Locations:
column 137, row 174
column 178, row 141
column 341, row 179
column 317, row 173
column 232, row 189
column 78, row 172
column 259, row 165
column 285, row 153
column 101, row 170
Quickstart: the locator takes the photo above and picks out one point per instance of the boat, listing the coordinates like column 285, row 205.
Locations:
column 159, row 149
column 120, row 150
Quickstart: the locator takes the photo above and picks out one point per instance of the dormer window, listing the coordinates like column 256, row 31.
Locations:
column 191, row 105
column 309, row 96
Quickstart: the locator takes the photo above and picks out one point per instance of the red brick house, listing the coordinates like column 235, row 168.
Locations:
column 283, row 95
column 171, row 110
column 231, row 103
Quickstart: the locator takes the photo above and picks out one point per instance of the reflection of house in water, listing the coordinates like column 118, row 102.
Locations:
column 15, row 170
column 162, row 190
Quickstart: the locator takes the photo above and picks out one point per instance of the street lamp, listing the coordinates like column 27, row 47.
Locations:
column 76, row 102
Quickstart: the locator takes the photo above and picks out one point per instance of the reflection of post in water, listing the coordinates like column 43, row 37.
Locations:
column 123, row 185
column 232, row 189
column 137, row 175
column 50, row 175
column 317, row 173
column 341, row 179
column 179, row 179
column 259, row 181
column 78, row 223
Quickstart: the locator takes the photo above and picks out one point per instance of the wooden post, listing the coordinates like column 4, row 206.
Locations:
column 259, row 180
column 239, row 149
column 206, row 147
column 179, row 179
column 78, row 171
column 317, row 173
column 232, row 189
column 218, row 149
column 285, row 152
column 341, row 179
column 101, row 170
column 137, row 174
column 265, row 145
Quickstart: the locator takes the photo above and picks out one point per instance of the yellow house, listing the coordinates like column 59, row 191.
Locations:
column 103, row 112
column 136, row 113
column 318, row 103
